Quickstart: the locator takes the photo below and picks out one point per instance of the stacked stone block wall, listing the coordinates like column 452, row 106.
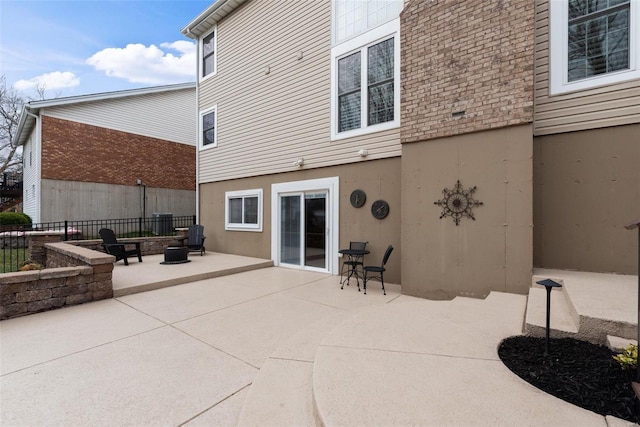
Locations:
column 75, row 272
column 73, row 275
column 80, row 152
column 467, row 66
column 149, row 246
column 37, row 242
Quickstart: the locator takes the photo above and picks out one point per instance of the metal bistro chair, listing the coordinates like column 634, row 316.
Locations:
column 117, row 249
column 377, row 269
column 350, row 265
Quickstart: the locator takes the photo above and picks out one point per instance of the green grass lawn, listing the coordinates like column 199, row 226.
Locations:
column 10, row 259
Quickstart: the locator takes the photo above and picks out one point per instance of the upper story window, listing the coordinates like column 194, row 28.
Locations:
column 354, row 17
column 599, row 43
column 243, row 210
column 379, row 100
column 208, row 54
column 365, row 78
column 208, row 128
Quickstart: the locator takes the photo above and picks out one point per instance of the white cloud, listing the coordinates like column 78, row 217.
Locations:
column 49, row 81
column 148, row 65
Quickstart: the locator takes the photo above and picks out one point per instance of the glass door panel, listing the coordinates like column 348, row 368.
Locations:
column 315, row 240
column 290, row 233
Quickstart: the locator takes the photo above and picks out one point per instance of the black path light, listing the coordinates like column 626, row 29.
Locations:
column 632, row 226
column 548, row 284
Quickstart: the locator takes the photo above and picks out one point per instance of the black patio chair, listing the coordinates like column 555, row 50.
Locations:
column 377, row 269
column 350, row 265
column 195, row 242
column 117, row 249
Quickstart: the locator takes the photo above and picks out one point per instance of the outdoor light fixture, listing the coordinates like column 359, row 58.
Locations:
column 299, row 163
column 548, row 284
column 363, row 153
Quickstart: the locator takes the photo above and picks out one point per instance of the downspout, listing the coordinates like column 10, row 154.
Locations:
column 198, row 123
column 38, row 180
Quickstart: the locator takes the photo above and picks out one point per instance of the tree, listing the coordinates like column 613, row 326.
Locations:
column 11, row 103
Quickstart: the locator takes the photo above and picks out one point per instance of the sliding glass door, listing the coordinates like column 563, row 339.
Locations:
column 303, row 229
column 304, row 224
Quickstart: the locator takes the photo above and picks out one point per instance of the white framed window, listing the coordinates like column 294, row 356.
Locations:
column 593, row 43
column 208, row 54
column 365, row 82
column 208, row 128
column 243, row 210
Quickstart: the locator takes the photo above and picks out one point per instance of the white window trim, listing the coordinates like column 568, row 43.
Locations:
column 215, row 54
column 361, row 42
column 558, row 49
column 243, row 227
column 213, row 109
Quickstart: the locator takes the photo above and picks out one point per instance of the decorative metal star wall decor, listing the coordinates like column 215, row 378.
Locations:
column 457, row 203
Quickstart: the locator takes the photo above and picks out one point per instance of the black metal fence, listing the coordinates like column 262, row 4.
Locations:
column 14, row 239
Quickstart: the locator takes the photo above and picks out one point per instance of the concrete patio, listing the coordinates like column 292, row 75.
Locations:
column 268, row 347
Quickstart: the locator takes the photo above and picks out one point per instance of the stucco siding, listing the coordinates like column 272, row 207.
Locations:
column 492, row 251
column 610, row 105
column 166, row 115
column 267, row 119
column 379, row 179
column 586, row 188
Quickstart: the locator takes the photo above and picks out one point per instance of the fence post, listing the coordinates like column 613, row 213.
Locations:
column 194, row 220
column 139, row 226
column 66, row 228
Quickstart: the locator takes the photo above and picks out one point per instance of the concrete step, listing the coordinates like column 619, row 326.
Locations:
column 562, row 323
column 589, row 306
column 619, row 344
column 281, row 393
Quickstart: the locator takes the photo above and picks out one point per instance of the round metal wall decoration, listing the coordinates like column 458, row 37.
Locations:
column 457, row 203
column 358, row 197
column 380, row 209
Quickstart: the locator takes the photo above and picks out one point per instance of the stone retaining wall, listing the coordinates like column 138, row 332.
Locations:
column 73, row 275
column 75, row 272
column 149, row 246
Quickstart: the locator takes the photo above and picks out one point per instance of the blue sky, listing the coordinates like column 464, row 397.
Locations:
column 80, row 47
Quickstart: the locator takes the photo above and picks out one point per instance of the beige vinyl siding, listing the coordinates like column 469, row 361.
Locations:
column 166, row 115
column 31, row 176
column 610, row 105
column 267, row 121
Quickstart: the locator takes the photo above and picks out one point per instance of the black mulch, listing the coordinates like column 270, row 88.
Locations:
column 575, row 371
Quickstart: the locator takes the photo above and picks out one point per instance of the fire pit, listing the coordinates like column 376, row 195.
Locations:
column 176, row 255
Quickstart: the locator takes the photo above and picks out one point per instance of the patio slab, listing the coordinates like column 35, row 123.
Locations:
column 149, row 274
column 253, row 330
column 35, row 339
column 162, row 377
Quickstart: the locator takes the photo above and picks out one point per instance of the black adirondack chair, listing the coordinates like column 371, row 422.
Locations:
column 195, row 243
column 117, row 249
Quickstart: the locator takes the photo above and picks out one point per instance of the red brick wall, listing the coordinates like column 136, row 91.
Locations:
column 474, row 56
column 75, row 151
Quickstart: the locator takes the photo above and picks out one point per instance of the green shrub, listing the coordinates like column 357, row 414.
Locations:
column 628, row 359
column 14, row 218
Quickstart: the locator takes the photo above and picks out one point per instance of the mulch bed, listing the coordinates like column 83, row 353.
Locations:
column 576, row 371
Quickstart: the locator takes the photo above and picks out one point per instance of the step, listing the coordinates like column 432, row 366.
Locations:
column 561, row 320
column 619, row 344
column 599, row 304
column 282, row 392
